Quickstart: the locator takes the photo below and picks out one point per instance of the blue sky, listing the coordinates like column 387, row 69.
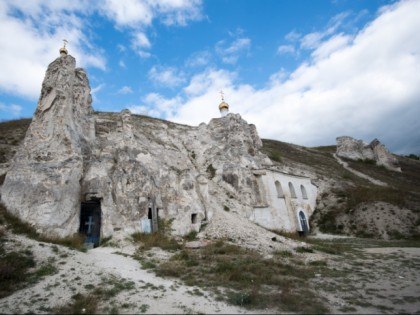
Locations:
column 303, row 72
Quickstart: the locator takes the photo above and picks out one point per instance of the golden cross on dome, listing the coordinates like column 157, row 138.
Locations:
column 221, row 93
column 65, row 42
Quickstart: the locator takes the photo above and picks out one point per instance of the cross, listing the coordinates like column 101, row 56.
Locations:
column 89, row 224
column 65, row 42
column 221, row 93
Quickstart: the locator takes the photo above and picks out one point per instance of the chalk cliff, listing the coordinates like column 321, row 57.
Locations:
column 71, row 155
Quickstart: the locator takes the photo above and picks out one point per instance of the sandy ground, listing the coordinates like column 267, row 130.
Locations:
column 79, row 272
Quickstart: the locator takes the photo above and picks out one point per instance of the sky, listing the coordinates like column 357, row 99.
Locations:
column 303, row 71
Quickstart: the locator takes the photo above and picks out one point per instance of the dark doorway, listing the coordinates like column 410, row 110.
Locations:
column 90, row 221
column 303, row 223
column 194, row 218
column 153, row 216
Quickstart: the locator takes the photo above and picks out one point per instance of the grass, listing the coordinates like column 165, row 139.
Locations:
column 90, row 302
column 160, row 238
column 14, row 270
column 250, row 279
column 17, row 226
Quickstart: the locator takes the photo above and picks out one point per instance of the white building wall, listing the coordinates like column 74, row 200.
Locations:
column 281, row 213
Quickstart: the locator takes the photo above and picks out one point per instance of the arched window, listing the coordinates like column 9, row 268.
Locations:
column 304, row 194
column 292, row 190
column 279, row 189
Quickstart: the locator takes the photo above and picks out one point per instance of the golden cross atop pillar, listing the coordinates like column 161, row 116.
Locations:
column 63, row 50
column 221, row 93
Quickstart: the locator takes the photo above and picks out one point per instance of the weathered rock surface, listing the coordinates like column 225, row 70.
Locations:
column 43, row 184
column 353, row 149
column 71, row 154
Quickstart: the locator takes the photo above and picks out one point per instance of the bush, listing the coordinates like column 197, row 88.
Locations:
column 157, row 239
column 211, row 171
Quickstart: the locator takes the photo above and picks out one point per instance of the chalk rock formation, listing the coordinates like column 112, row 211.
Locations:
column 43, row 184
column 72, row 155
column 353, row 149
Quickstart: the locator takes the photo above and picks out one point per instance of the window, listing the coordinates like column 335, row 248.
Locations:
column 292, row 190
column 279, row 189
column 304, row 194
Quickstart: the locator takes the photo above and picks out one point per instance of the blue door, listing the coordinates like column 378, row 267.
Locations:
column 90, row 222
column 303, row 223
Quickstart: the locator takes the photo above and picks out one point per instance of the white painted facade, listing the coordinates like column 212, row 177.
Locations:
column 282, row 198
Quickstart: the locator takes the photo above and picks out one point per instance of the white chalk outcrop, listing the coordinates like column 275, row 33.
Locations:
column 42, row 185
column 353, row 149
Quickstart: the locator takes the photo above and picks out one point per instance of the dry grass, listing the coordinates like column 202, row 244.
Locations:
column 250, row 280
column 17, row 226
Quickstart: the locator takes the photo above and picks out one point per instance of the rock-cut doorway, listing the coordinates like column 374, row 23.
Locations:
column 90, row 222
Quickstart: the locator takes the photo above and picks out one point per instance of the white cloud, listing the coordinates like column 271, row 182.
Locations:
column 363, row 85
column 138, row 13
column 230, row 52
column 166, row 76
column 121, row 63
column 125, row 90
column 179, row 12
column 210, row 79
column 159, row 106
column 132, row 13
column 313, row 40
column 144, row 110
column 12, row 109
column 200, row 58
column 28, row 46
column 335, row 43
column 293, row 36
column 140, row 43
column 286, row 49
column 140, row 40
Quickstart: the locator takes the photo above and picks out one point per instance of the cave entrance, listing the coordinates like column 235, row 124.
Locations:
column 90, row 222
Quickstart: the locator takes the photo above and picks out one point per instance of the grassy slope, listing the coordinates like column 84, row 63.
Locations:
column 403, row 190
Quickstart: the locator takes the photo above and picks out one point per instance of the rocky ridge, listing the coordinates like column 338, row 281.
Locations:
column 353, row 149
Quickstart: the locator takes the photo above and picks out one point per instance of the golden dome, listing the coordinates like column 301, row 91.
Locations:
column 223, row 105
column 63, row 50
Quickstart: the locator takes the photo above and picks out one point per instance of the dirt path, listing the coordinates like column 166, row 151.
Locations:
column 142, row 291
column 357, row 173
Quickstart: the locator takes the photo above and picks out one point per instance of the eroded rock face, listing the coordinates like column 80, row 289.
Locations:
column 71, row 155
column 190, row 171
column 43, row 184
column 353, row 149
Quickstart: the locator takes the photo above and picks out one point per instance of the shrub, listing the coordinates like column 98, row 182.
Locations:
column 81, row 304
column 211, row 171
column 159, row 238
